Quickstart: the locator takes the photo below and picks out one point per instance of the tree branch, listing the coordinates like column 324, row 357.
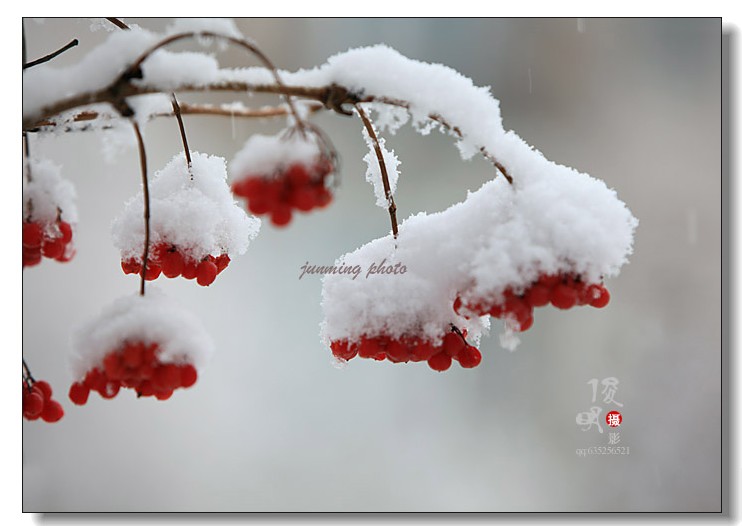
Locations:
column 382, row 166
column 50, row 56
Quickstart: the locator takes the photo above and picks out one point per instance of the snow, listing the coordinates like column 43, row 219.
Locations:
column 265, row 155
column 153, row 318
column 200, row 216
column 48, row 193
column 373, row 170
column 499, row 237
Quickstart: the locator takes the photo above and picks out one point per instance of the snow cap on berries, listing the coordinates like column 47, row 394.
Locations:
column 153, row 318
column 268, row 154
column 48, row 193
column 198, row 215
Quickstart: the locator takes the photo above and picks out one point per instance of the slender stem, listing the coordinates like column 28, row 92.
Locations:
column 145, row 186
column 50, row 56
column 185, row 109
column 27, row 376
column 382, row 166
column 118, row 23
column 27, row 156
column 176, row 110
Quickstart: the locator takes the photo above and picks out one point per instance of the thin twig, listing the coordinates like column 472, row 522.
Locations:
column 382, row 166
column 50, row 56
column 145, row 185
column 185, row 109
column 176, row 110
column 117, row 22
column 27, row 376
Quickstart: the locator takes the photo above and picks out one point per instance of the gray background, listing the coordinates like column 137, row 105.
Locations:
column 271, row 425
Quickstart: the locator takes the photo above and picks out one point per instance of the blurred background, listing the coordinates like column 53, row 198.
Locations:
column 272, row 425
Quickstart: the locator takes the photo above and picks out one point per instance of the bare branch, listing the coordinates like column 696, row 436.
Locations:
column 50, row 56
column 382, row 166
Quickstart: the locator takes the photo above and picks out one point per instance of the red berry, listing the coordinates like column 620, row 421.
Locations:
column 188, row 375
column 457, row 305
column 163, row 395
column 440, row 362
column 172, row 264
column 259, row 206
column 550, row 280
column 453, row 344
column 133, row 355
column 397, row 352
column 322, row 197
column 33, row 403
column 190, row 269
column 109, row 389
column 563, row 296
column 600, row 296
column 206, row 273
column 44, row 387
column 343, row 350
column 52, row 412
column 153, row 271
column 146, row 389
column 281, row 215
column 297, row 176
column 470, row 357
column 66, row 231
column 222, row 262
column 31, row 256
column 33, row 235
column 113, row 366
column 422, row 351
column 79, row 393
column 52, row 248
column 167, row 376
column 538, row 295
column 369, row 347
column 131, row 266
column 254, row 187
column 302, row 199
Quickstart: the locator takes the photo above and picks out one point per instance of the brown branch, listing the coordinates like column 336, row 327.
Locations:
column 50, row 56
column 185, row 109
column 118, row 23
column 145, row 185
column 176, row 110
column 27, row 376
column 382, row 166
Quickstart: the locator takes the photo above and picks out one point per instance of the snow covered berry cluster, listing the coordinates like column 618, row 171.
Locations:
column 195, row 223
column 145, row 343
column 137, row 366
column 562, row 291
column 49, row 213
column 411, row 349
column 282, row 173
column 38, row 402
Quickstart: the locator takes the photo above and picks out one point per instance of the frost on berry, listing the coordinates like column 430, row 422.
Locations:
column 281, row 174
column 144, row 343
column 49, row 214
column 194, row 221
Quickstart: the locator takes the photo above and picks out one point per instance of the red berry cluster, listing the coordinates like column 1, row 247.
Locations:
column 51, row 240
column 411, row 349
column 134, row 365
column 166, row 259
column 38, row 402
column 562, row 291
column 299, row 187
